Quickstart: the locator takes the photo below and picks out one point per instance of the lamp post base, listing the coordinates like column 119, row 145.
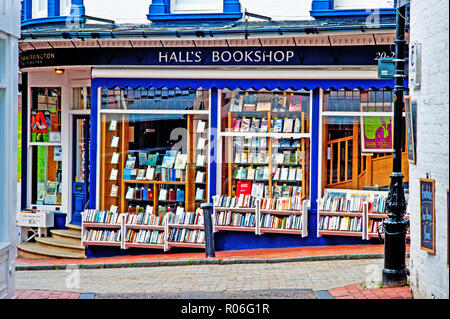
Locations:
column 395, row 277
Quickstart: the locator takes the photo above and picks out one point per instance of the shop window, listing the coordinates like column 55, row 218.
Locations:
column 64, row 7
column 81, row 98
column 46, row 175
column 265, row 137
column 150, row 160
column 357, row 139
column 366, row 4
column 155, row 99
column 45, row 115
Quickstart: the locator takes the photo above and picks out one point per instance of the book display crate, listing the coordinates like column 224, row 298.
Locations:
column 351, row 213
column 163, row 181
column 143, row 229
column 261, row 215
column 267, row 144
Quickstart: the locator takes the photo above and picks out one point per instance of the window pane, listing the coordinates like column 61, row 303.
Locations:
column 155, row 99
column 81, row 98
column 46, row 115
column 187, row 5
column 46, row 175
column 358, row 100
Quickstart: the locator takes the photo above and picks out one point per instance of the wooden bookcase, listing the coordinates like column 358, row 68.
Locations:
column 256, row 227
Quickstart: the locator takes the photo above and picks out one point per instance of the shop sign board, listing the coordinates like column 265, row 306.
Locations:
column 427, row 216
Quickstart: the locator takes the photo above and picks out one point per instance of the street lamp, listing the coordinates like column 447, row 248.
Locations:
column 395, row 227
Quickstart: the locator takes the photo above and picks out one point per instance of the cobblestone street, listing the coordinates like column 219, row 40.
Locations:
column 279, row 280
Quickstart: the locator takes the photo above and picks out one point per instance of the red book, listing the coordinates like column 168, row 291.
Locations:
column 150, row 194
column 172, row 194
column 236, row 125
column 295, row 103
column 244, row 188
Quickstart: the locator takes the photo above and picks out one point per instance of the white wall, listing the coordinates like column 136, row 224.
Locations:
column 429, row 26
column 280, row 9
column 9, row 70
column 121, row 11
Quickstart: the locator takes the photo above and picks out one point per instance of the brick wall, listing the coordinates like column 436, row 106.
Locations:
column 429, row 26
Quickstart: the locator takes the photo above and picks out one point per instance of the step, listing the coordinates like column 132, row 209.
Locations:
column 34, row 251
column 74, row 227
column 59, row 245
column 68, row 236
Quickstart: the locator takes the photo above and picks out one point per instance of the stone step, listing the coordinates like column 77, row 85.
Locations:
column 68, row 236
column 59, row 245
column 34, row 251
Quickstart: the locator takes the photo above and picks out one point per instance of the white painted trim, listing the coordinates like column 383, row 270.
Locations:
column 44, row 144
column 353, row 114
column 215, row 7
column 224, row 72
column 98, row 181
column 160, row 112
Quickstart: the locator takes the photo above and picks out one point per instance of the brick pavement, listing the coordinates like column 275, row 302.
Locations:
column 360, row 292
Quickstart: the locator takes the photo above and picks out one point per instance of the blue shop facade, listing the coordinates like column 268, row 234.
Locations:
column 288, row 136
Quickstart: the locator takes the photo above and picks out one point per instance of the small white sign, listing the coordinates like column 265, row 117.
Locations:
column 415, row 65
column 38, row 219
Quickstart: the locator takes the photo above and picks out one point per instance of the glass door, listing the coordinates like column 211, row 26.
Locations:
column 80, row 176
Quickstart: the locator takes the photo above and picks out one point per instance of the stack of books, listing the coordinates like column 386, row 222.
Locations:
column 340, row 223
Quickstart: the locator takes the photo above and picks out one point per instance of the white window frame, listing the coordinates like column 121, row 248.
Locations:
column 212, row 6
column 38, row 12
column 366, row 4
column 64, row 7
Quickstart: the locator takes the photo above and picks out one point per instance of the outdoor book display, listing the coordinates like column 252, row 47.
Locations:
column 267, row 146
column 283, row 215
column 144, row 229
column 357, row 213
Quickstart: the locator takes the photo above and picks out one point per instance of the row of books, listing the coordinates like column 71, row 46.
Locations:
column 228, row 218
column 151, row 173
column 186, row 218
column 241, row 142
column 260, row 125
column 262, row 157
column 249, row 188
column 287, row 222
column 378, row 204
column 266, row 102
column 242, row 201
column 101, row 216
column 283, row 174
column 104, row 235
column 145, row 236
column 172, row 159
column 186, row 235
column 339, row 203
column 283, row 203
column 340, row 223
column 373, row 225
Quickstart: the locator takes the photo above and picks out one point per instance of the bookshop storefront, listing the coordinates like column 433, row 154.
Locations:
column 291, row 145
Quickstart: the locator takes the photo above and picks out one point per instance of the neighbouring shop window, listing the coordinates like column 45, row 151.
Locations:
column 46, row 175
column 152, row 161
column 155, row 99
column 265, row 138
column 45, row 115
column 357, row 139
column 81, row 98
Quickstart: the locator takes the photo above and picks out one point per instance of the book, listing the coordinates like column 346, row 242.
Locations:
column 200, row 160
column 113, row 125
column 243, row 188
column 199, row 194
column 298, row 176
column 245, row 126
column 143, row 158
column 140, row 174
column 201, row 143
column 130, row 193
column 114, row 141
column 237, row 100
column 257, row 190
column 115, row 158
column 113, row 174
column 236, row 125
column 255, row 125
column 250, row 100
column 201, row 126
column 162, row 194
column 244, row 158
column 152, row 159
column 297, row 125
column 284, row 174
column 168, row 160
column 264, row 126
column 264, row 102
column 279, row 103
column 251, row 173
column 180, row 162
column 200, row 177
column 131, row 161
column 277, row 125
column 150, row 173
column 180, row 195
column 288, row 125
column 295, row 103
column 292, row 174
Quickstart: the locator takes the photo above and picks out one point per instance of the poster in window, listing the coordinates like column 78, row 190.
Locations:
column 40, row 125
column 411, row 131
column 427, row 216
column 377, row 134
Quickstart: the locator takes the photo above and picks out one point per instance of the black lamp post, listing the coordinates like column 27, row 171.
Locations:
column 395, row 227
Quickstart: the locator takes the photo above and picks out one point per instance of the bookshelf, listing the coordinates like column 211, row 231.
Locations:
column 356, row 213
column 261, row 215
column 143, row 229
column 266, row 141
